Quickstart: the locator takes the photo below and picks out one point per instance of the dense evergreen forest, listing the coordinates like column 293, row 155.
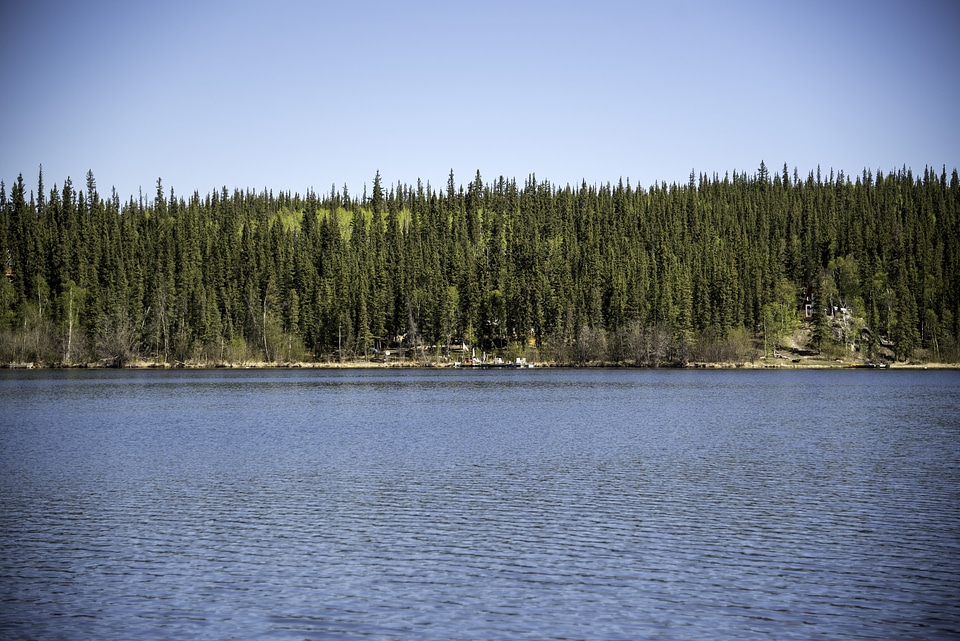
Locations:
column 714, row 269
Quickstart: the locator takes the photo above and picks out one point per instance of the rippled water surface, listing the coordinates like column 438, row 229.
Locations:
column 543, row 504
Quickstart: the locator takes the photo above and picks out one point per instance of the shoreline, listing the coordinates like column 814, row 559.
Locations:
column 799, row 364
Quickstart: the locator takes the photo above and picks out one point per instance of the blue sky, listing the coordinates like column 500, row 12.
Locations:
column 296, row 95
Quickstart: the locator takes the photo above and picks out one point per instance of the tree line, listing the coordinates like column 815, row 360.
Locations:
column 613, row 273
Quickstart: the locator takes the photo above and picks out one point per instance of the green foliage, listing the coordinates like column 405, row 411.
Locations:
column 8, row 306
column 780, row 315
column 588, row 274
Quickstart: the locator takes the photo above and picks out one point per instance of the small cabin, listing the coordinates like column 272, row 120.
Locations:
column 808, row 302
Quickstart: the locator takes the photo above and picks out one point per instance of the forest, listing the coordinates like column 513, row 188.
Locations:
column 716, row 269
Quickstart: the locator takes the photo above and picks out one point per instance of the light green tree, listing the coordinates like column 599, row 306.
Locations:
column 780, row 318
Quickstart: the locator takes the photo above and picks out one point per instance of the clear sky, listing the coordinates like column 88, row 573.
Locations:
column 298, row 95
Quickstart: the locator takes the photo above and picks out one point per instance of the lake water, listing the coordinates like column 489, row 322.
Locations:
column 442, row 504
